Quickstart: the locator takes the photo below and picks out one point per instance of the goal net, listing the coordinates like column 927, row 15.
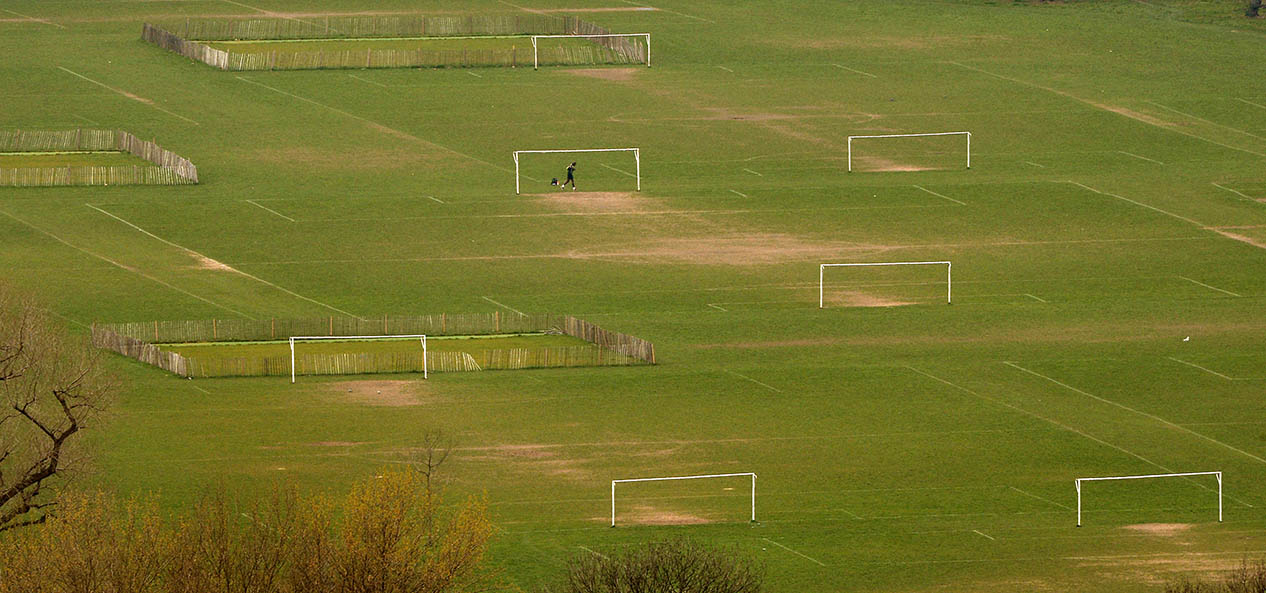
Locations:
column 685, row 500
column 359, row 354
column 884, row 284
column 909, row 152
column 1151, row 493
column 597, row 169
column 575, row 50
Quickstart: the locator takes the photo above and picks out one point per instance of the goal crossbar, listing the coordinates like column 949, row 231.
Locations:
column 637, row 160
column 1078, row 481
column 421, row 337
column 949, row 275
column 536, row 61
column 700, row 477
column 924, row 134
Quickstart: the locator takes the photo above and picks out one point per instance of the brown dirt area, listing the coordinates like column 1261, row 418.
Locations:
column 870, row 163
column 1161, row 569
column 1161, row 529
column 646, row 515
column 613, row 74
column 1239, row 237
column 203, row 262
column 380, row 393
column 861, row 299
column 595, row 201
column 739, row 249
column 534, row 459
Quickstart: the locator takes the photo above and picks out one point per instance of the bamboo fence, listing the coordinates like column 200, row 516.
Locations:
column 137, row 340
column 188, row 42
column 169, row 168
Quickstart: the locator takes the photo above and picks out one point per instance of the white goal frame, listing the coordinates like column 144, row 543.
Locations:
column 949, row 275
column 536, row 62
column 1218, row 475
column 637, row 159
column 851, row 138
column 614, row 482
column 422, row 337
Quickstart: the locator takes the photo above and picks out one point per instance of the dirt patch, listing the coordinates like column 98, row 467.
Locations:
column 595, row 201
column 646, row 515
column 861, row 299
column 1160, row 529
column 1241, row 238
column 614, row 74
column 203, row 262
column 739, row 249
column 522, row 451
column 380, row 393
column 1130, row 113
column 871, row 163
column 600, row 9
column 1160, row 569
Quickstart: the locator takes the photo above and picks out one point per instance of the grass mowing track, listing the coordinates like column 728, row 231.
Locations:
column 1112, row 210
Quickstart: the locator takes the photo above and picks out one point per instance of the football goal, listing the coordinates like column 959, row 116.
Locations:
column 890, row 164
column 636, row 173
column 420, row 337
column 949, row 276
column 1217, row 475
column 620, row 48
column 702, row 477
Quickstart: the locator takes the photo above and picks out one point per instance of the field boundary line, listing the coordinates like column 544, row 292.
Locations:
column 32, row 18
column 128, row 268
column 1210, row 287
column 1139, row 412
column 854, row 70
column 504, row 306
column 1140, row 157
column 939, row 195
column 377, row 126
column 810, row 559
column 1042, row 498
column 235, row 270
column 1236, row 192
column 1210, row 122
column 253, row 203
column 1122, row 112
column 1194, row 365
column 137, row 98
column 745, row 377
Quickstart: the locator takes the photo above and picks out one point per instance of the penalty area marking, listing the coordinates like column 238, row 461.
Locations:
column 1035, row 164
column 939, row 195
column 810, row 559
column 854, row 70
column 746, row 378
column 1250, row 103
column 47, row 22
column 1210, row 287
column 739, row 193
column 1036, row 298
column 1043, row 499
column 1236, row 192
column 436, row 199
column 1194, row 365
column 505, row 306
column 984, row 535
column 753, row 172
column 254, row 203
column 621, row 171
column 1142, row 158
column 726, row 69
column 718, row 308
column 1213, row 123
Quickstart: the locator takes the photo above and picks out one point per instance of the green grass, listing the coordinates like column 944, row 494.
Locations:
column 447, row 344
column 19, row 160
column 908, row 448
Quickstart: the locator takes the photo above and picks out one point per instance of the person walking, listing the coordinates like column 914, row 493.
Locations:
column 571, row 176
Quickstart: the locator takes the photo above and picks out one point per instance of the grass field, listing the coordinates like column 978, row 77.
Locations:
column 520, row 42
column 1108, row 249
column 434, row 344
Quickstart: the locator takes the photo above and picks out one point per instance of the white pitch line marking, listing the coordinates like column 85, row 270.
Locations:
column 1194, row 365
column 602, row 556
column 726, row 69
column 1139, row 412
column 1250, row 103
column 1210, row 287
column 1236, row 192
column 136, row 98
column 1042, row 498
column 91, row 121
column 1035, row 298
column 734, row 191
column 753, row 172
column 1198, row 118
column 618, row 170
column 982, row 534
column 1035, row 164
column 436, row 199
column 1140, row 157
column 235, row 270
column 254, row 203
column 376, row 83
column 503, row 306
column 473, row 74
column 746, row 378
column 40, row 20
column 813, row 560
column 200, row 389
column 1149, row 207
column 940, row 195
column 718, row 308
column 854, row 70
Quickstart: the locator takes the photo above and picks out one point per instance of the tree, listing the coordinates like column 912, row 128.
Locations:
column 678, row 565
column 52, row 387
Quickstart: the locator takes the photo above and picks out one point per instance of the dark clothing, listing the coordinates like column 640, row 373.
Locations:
column 571, row 172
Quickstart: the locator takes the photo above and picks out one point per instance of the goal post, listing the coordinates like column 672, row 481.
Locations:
column 700, row 477
column 949, row 275
column 1217, row 475
column 609, row 40
column 637, row 161
column 293, row 339
column 920, row 135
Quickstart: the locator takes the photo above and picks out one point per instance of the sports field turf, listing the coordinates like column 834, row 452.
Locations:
column 1108, row 249
column 448, row 344
column 522, row 43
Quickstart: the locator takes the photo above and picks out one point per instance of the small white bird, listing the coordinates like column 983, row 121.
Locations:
column 1187, row 339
